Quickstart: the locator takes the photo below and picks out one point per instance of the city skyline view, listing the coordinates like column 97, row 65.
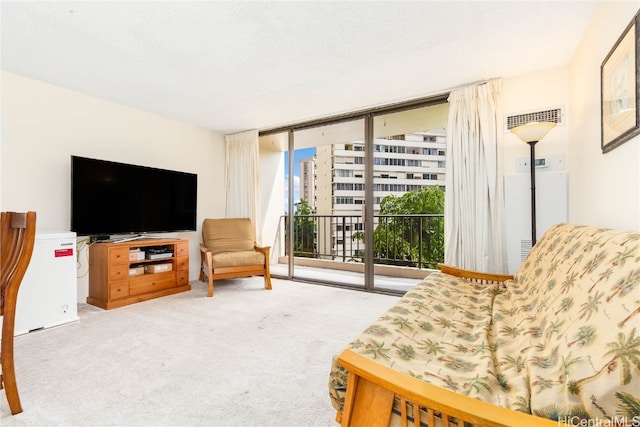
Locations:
column 333, row 184
column 298, row 155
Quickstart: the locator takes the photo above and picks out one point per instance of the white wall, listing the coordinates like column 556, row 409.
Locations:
column 537, row 91
column 604, row 189
column 43, row 125
column 271, row 196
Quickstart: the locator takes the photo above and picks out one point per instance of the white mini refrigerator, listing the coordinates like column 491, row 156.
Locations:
column 48, row 294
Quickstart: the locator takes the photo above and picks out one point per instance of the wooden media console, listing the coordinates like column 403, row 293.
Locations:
column 122, row 273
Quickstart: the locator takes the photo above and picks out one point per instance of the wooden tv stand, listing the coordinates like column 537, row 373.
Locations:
column 117, row 276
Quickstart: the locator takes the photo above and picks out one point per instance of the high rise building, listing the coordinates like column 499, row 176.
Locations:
column 307, row 181
column 402, row 163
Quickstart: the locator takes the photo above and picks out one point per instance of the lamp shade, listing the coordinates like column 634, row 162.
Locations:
column 533, row 131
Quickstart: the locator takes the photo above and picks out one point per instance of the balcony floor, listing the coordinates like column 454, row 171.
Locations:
column 347, row 278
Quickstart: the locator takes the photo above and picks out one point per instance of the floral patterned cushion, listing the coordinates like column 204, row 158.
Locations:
column 566, row 331
column 438, row 332
column 561, row 340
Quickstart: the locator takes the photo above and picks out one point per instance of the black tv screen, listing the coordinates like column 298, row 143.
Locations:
column 118, row 198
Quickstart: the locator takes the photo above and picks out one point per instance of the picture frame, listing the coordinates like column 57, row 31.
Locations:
column 619, row 83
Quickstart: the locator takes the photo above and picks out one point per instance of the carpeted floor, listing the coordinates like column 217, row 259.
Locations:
column 246, row 357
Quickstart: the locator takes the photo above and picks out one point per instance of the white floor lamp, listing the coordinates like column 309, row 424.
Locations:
column 531, row 133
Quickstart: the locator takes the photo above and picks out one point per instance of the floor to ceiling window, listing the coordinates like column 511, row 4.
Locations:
column 409, row 154
column 363, row 199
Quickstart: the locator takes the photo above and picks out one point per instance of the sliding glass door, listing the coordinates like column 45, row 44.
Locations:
column 325, row 167
column 364, row 199
column 409, row 154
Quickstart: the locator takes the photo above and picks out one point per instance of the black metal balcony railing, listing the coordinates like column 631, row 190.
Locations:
column 403, row 240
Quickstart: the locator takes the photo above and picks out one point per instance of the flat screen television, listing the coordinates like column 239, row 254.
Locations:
column 110, row 198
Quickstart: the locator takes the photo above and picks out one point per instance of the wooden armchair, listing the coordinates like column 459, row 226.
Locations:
column 17, row 237
column 229, row 249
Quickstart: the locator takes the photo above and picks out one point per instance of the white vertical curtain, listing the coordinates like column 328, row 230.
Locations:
column 474, row 200
column 241, row 176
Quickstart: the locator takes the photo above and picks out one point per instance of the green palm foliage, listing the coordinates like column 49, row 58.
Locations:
column 406, row 352
column 402, row 240
column 554, row 327
column 304, row 228
column 476, row 384
column 522, row 404
column 625, row 352
column 557, row 412
column 591, row 306
column 425, row 326
column 545, row 362
column 602, row 276
column 566, row 364
column 402, row 323
column 593, row 263
column 629, row 406
column 503, row 383
column 458, row 364
column 510, row 331
column 565, row 305
column 377, row 330
column 444, row 322
column 430, row 347
column 543, row 383
column 569, row 282
column 625, row 285
column 511, row 362
column 585, row 336
column 622, row 257
column 398, row 309
column 591, row 245
column 377, row 350
column 419, row 305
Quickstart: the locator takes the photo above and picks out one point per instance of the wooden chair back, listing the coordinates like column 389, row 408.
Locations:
column 17, row 238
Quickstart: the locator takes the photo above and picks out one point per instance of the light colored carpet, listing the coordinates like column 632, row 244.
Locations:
column 246, row 357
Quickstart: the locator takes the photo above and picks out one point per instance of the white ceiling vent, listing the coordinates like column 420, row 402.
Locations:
column 554, row 115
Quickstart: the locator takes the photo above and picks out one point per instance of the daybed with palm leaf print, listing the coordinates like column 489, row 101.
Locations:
column 560, row 340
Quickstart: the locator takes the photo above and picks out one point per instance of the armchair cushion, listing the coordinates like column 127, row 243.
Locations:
column 228, row 235
column 237, row 259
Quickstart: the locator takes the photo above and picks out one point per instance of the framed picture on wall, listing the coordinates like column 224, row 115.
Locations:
column 619, row 81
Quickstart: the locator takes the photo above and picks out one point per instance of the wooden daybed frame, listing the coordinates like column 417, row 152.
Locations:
column 372, row 389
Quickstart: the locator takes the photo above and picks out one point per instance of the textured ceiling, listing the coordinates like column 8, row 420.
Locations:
column 231, row 66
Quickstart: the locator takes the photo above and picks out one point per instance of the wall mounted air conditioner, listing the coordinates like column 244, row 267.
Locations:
column 551, row 114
